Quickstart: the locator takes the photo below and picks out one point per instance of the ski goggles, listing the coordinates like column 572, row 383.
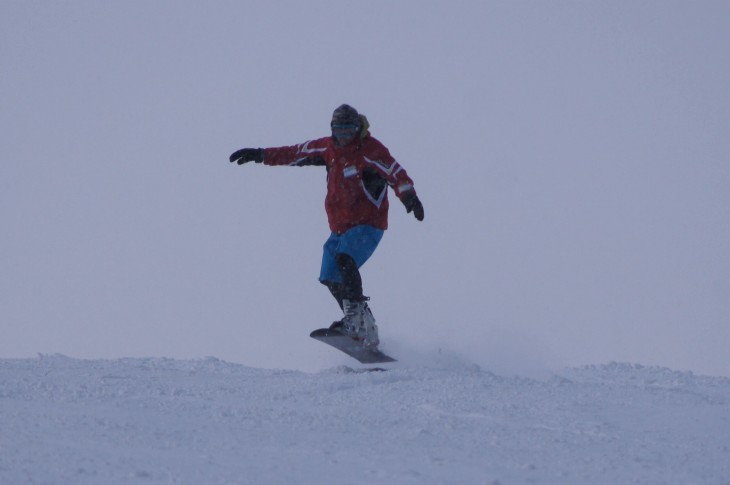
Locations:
column 344, row 126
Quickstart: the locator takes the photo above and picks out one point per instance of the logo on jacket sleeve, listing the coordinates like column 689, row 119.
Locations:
column 304, row 148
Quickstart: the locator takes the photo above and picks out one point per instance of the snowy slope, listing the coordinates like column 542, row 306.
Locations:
column 64, row 420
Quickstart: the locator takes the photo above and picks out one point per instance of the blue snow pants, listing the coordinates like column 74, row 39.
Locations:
column 359, row 243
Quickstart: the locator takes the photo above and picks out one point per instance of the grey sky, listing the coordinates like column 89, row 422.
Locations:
column 571, row 157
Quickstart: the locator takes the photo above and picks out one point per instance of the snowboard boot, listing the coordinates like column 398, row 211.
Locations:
column 359, row 322
column 349, row 323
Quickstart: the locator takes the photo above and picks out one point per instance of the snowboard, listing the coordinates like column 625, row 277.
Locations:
column 350, row 346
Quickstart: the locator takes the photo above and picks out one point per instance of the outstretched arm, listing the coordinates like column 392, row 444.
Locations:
column 308, row 153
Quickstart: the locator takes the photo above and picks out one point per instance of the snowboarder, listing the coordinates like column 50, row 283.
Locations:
column 359, row 171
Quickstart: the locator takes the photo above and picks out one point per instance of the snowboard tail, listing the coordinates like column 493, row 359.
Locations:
column 352, row 347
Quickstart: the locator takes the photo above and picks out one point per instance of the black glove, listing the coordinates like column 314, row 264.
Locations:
column 412, row 203
column 247, row 155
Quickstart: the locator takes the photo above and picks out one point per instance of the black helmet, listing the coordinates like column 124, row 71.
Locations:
column 345, row 114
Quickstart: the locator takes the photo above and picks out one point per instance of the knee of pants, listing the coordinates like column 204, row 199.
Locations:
column 344, row 260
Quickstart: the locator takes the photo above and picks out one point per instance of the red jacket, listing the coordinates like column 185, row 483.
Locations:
column 357, row 178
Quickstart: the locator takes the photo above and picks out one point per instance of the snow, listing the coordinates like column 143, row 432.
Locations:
column 157, row 420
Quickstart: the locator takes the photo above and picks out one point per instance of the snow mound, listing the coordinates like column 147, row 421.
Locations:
column 64, row 420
